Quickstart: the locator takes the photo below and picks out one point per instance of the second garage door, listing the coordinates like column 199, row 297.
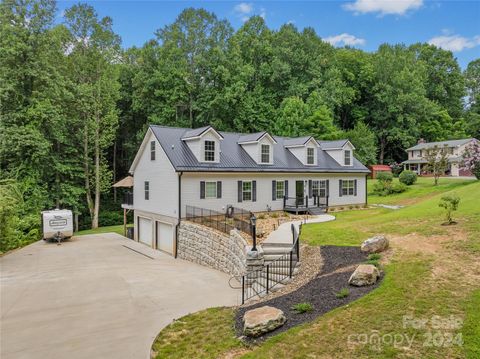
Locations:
column 145, row 231
column 165, row 237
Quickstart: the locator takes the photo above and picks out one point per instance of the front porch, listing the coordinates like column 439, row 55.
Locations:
column 309, row 204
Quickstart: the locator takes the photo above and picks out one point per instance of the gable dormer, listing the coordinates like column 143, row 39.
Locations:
column 305, row 149
column 204, row 142
column 340, row 150
column 259, row 147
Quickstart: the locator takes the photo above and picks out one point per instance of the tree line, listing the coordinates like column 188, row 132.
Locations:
column 74, row 105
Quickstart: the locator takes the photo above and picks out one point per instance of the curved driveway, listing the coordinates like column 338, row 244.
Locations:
column 93, row 297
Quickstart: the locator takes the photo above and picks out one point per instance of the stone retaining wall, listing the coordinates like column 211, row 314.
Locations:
column 211, row 248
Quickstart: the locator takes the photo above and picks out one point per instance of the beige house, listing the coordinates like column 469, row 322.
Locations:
column 455, row 150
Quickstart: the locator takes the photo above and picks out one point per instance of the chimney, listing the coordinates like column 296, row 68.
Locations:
column 420, row 141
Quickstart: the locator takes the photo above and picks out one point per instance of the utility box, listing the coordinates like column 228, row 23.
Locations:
column 57, row 224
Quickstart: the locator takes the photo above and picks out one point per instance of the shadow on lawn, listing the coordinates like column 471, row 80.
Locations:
column 320, row 292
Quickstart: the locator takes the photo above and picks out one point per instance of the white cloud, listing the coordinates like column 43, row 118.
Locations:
column 344, row 40
column 454, row 43
column 384, row 7
column 245, row 10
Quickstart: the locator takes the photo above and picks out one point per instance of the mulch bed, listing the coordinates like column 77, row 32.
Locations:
column 319, row 292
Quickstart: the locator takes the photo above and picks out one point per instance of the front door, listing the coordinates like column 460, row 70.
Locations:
column 299, row 192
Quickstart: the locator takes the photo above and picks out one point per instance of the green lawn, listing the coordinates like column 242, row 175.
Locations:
column 115, row 229
column 433, row 270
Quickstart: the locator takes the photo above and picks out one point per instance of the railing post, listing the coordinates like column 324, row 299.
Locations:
column 327, row 202
column 268, row 276
column 284, row 201
column 306, row 201
column 243, row 289
column 291, row 264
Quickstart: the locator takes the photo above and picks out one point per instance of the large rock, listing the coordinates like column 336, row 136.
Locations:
column 262, row 320
column 375, row 244
column 365, row 274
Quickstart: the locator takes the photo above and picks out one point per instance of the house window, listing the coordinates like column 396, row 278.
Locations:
column 147, row 190
column 280, row 189
column 348, row 187
column 319, row 188
column 247, row 190
column 210, row 189
column 152, row 150
column 310, row 156
column 348, row 157
column 265, row 155
column 210, row 151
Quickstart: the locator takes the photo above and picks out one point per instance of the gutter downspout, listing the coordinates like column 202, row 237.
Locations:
column 366, row 189
column 179, row 211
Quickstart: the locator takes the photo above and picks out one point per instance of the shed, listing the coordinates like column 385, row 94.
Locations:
column 374, row 169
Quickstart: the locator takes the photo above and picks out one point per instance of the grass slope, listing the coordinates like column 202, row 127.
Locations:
column 433, row 270
column 108, row 229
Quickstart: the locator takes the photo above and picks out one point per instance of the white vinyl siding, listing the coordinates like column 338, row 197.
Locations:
column 210, row 189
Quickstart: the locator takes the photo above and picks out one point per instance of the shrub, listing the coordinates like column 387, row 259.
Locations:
column 450, row 203
column 274, row 215
column 385, row 188
column 302, row 308
column 374, row 256
column 385, row 176
column 261, row 216
column 398, row 188
column 375, row 262
column 344, row 292
column 408, row 177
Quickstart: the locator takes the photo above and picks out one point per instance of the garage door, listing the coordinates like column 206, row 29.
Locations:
column 145, row 230
column 165, row 237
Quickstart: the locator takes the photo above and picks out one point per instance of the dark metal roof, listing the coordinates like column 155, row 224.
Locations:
column 251, row 137
column 451, row 143
column 329, row 145
column 234, row 158
column 298, row 141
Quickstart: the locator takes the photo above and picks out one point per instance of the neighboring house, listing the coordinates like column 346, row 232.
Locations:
column 455, row 150
column 176, row 167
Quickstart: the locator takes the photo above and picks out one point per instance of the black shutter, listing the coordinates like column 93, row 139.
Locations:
column 340, row 188
column 240, row 191
column 327, row 191
column 286, row 188
column 254, row 191
column 355, row 187
column 202, row 189
column 219, row 189
column 274, row 190
column 310, row 189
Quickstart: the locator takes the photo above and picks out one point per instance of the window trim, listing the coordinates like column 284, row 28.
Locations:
column 146, row 188
column 349, row 157
column 312, row 157
column 262, row 146
column 347, row 187
column 282, row 191
column 206, row 191
column 209, row 151
column 247, row 191
column 318, row 186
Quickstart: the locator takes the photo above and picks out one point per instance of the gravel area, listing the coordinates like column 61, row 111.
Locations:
column 338, row 265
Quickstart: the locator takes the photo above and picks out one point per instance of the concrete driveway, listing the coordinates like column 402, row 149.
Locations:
column 93, row 297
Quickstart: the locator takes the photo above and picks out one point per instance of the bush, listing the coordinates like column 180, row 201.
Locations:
column 398, row 188
column 302, row 308
column 385, row 188
column 384, row 176
column 450, row 203
column 408, row 177
column 374, row 256
column 344, row 292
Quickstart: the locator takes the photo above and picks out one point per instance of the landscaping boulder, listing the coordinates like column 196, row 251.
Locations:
column 262, row 320
column 375, row 244
column 365, row 274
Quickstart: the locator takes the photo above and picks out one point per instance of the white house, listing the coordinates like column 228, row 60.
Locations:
column 177, row 167
column 455, row 149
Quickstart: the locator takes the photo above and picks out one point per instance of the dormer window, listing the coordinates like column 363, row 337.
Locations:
column 347, row 157
column 310, row 156
column 265, row 154
column 209, row 151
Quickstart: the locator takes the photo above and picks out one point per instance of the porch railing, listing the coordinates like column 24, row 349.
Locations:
column 217, row 220
column 305, row 202
column 261, row 281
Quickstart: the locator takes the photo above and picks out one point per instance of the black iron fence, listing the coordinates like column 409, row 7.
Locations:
column 222, row 222
column 262, row 281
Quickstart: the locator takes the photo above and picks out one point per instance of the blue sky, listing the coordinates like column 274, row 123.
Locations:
column 365, row 24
